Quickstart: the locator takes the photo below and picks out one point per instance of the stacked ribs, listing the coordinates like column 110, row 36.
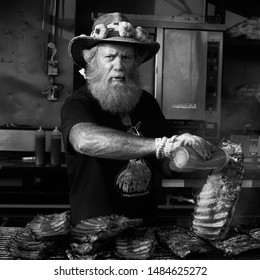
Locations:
column 215, row 204
column 91, row 237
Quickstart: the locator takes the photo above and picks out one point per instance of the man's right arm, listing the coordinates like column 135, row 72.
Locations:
column 103, row 142
column 98, row 141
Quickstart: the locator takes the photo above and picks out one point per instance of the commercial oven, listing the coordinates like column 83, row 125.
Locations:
column 189, row 87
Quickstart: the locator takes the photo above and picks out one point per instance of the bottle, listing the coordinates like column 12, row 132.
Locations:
column 253, row 148
column 55, row 147
column 186, row 159
column 252, row 142
column 40, row 147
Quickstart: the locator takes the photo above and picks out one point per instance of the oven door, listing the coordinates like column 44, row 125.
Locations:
column 184, row 74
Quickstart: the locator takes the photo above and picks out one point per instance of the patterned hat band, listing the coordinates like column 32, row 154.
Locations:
column 121, row 29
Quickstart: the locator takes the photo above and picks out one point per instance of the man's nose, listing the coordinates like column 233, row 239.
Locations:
column 118, row 64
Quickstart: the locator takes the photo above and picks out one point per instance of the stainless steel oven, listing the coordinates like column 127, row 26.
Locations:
column 188, row 78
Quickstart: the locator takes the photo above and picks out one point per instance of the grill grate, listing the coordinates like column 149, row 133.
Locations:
column 160, row 253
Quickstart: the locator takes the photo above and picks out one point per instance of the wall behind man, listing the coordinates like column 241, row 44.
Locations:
column 23, row 51
column 23, row 54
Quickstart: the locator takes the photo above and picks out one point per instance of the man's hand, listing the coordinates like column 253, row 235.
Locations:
column 166, row 147
column 204, row 148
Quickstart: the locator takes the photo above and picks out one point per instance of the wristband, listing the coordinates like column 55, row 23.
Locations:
column 160, row 144
column 164, row 146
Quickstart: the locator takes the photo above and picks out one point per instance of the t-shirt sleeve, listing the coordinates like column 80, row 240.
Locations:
column 74, row 111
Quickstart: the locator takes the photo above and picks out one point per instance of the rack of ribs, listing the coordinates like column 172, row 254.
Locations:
column 215, row 203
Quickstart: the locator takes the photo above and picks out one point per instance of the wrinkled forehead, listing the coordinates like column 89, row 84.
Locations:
column 123, row 48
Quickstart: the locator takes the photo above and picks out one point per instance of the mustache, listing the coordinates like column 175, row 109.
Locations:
column 94, row 75
column 115, row 98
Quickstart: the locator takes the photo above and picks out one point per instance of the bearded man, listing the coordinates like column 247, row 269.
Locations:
column 115, row 135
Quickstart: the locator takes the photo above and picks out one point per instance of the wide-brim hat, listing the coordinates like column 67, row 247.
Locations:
column 113, row 28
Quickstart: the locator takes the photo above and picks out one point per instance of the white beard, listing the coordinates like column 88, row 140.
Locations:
column 115, row 98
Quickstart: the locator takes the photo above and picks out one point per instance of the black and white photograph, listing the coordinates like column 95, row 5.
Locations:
column 129, row 139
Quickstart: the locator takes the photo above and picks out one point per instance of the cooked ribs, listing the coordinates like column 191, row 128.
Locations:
column 49, row 226
column 42, row 237
column 215, row 203
column 237, row 244
column 181, row 241
column 23, row 245
column 252, row 230
column 135, row 243
column 255, row 233
column 101, row 228
column 91, row 236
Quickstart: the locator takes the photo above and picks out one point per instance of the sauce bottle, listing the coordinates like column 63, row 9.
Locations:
column 55, row 147
column 186, row 159
column 40, row 139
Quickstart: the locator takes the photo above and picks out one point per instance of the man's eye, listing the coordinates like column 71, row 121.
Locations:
column 127, row 57
column 110, row 57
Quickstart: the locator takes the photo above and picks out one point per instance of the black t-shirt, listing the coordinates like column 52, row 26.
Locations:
column 104, row 186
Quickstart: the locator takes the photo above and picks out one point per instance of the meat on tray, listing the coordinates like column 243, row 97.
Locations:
column 181, row 241
column 91, row 236
column 48, row 226
column 237, row 244
column 23, row 245
column 215, row 203
column 253, row 229
column 255, row 233
column 41, row 237
column 103, row 227
column 135, row 243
